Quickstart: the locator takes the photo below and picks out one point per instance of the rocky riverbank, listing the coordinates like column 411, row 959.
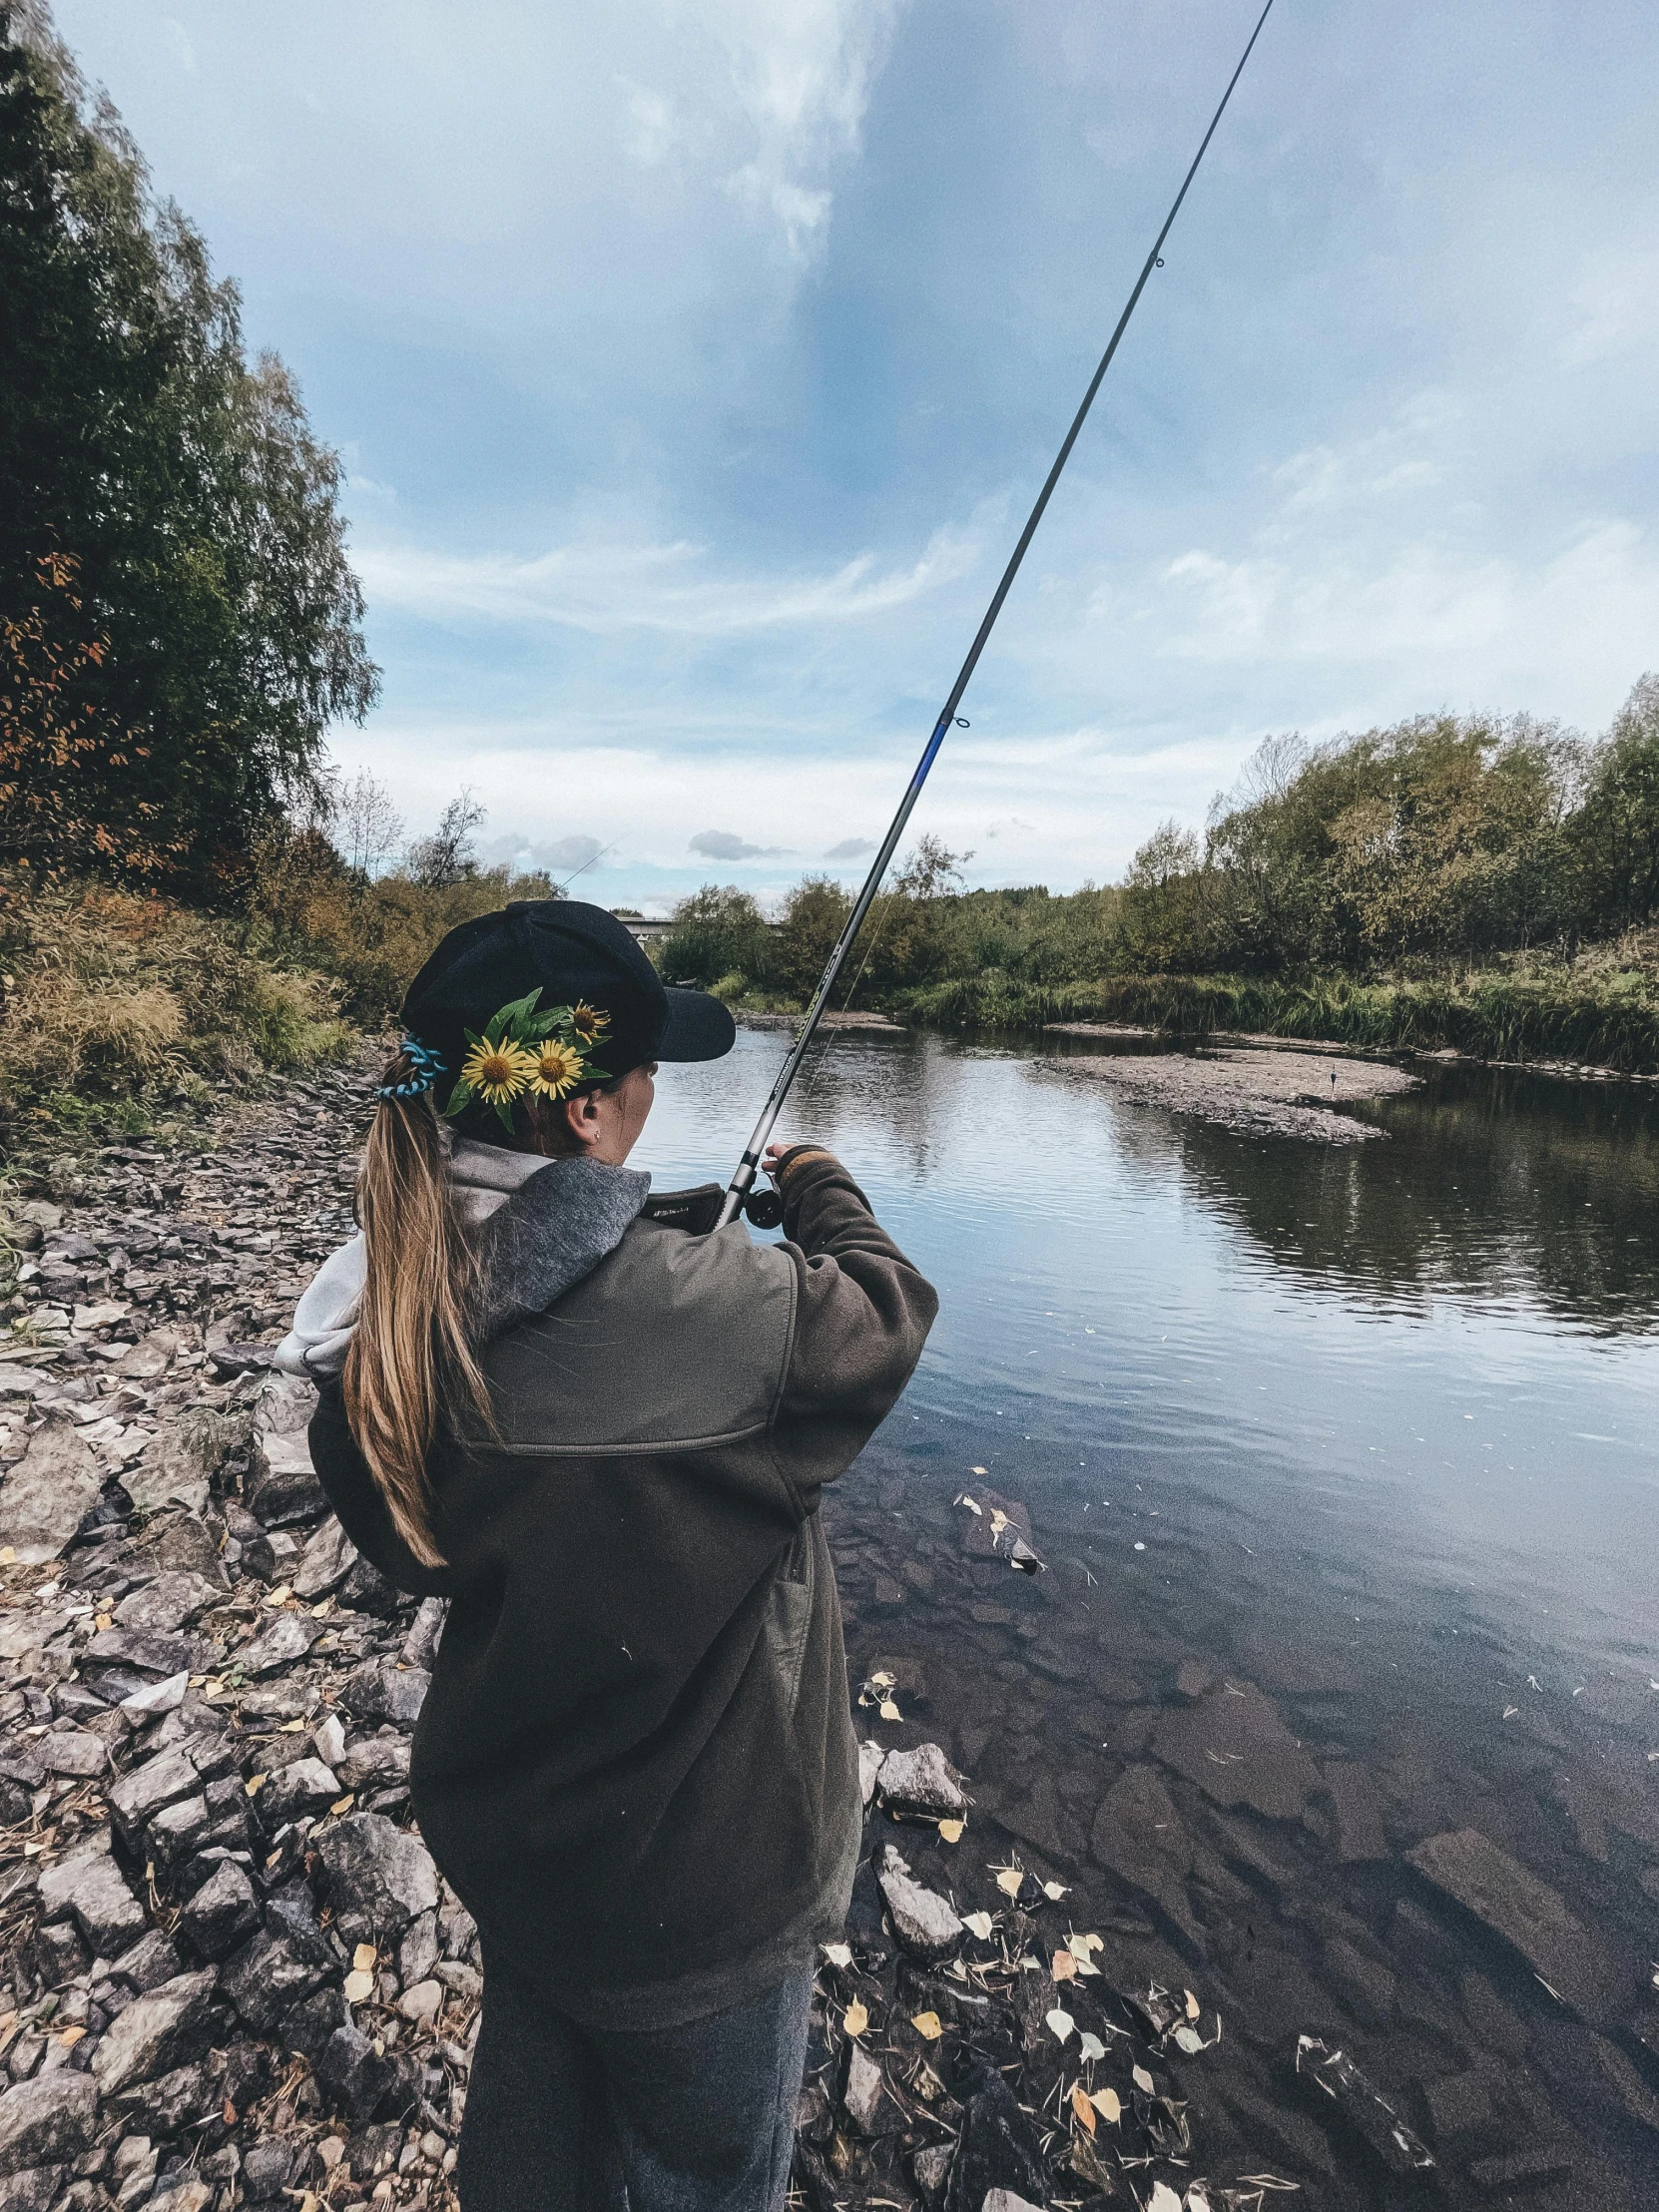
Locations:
column 1271, row 1093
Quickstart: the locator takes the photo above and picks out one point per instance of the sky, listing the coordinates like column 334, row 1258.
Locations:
column 695, row 362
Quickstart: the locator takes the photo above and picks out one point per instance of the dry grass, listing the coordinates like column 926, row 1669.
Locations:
column 119, row 1008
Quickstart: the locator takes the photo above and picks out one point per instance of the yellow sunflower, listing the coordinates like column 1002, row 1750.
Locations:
column 588, row 1021
column 498, row 1072
column 557, row 1068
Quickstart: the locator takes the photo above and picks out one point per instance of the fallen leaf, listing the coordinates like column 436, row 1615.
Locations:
column 883, row 1680
column 1008, row 1880
column 344, row 1804
column 294, row 1728
column 359, row 1987
column 102, row 1621
column 280, row 1595
column 950, row 1832
column 70, row 2037
column 1095, row 1943
column 1090, row 2046
column 888, row 1710
column 855, row 2019
column 1188, row 2039
column 986, row 1471
column 1060, row 2023
column 364, row 1958
column 1105, row 2102
column 1081, row 2106
column 928, row 2024
column 8, row 1558
column 1143, row 2081
column 256, row 1783
column 1064, row 1967
column 839, row 1954
column 1163, row 2198
column 1192, row 2004
column 1054, row 1892
column 978, row 1924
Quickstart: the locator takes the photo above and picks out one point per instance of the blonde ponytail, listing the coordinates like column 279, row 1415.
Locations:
column 411, row 1365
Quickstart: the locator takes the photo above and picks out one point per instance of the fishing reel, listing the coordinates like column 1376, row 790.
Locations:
column 696, row 1211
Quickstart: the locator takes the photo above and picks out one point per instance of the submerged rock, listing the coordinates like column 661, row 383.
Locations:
column 1525, row 1912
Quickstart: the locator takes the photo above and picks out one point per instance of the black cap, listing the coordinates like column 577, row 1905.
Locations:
column 569, row 951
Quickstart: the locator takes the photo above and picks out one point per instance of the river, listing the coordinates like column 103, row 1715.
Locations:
column 1342, row 1461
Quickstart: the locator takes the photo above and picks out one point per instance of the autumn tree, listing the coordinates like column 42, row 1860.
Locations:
column 183, row 486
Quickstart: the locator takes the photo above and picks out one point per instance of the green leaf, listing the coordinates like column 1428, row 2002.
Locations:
column 504, row 1112
column 461, row 1096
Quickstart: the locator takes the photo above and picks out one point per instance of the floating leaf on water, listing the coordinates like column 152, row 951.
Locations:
column 839, row 1954
column 1192, row 2004
column 855, row 2019
column 888, row 1710
column 1143, row 2081
column 1064, row 1967
column 928, row 2024
column 978, row 1924
column 973, row 1505
column 1055, row 1890
column 1081, row 2106
column 950, row 1832
column 1188, row 2039
column 1060, row 2023
column 1090, row 2046
column 1105, row 2102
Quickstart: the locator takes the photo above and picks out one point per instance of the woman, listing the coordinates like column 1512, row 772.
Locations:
column 604, row 1441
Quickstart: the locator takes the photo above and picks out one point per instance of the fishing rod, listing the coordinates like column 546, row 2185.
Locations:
column 738, row 1196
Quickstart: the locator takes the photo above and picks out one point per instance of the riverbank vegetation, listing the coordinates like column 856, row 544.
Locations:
column 1471, row 882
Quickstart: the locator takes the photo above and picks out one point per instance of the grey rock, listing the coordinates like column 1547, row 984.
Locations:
column 357, row 2079
column 277, row 1971
column 921, row 1782
column 285, row 1638
column 1525, row 1912
column 183, row 2192
column 865, row 2092
column 377, row 1878
column 149, row 1962
column 87, row 1883
column 167, row 2105
column 48, row 2121
column 310, row 2026
column 378, row 1690
column 927, row 1925
column 174, row 1470
column 58, row 1953
column 172, row 1601
column 999, row 2151
column 140, row 1795
column 327, row 1558
column 421, row 1645
column 164, row 2029
column 74, row 1752
column 304, row 1787
column 374, row 1762
column 267, row 2169
column 49, row 1492
column 930, row 2170
column 150, row 1652
column 178, row 1540
column 32, row 2191
column 175, row 1834
column 417, row 1954
column 223, row 1913
column 284, row 1489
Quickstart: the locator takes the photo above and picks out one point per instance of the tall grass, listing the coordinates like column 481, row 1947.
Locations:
column 1608, row 1018
column 117, row 1009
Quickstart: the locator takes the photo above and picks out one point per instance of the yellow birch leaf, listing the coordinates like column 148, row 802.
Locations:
column 1064, row 1967
column 1144, row 2081
column 888, row 1710
column 344, row 1804
column 950, row 1832
column 1081, row 2106
column 364, row 1958
column 1105, row 2102
column 1192, row 2005
column 359, row 1987
column 929, row 2024
column 280, row 1595
column 1008, row 1881
column 855, row 2019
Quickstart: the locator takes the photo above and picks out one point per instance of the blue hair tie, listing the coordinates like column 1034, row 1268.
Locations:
column 427, row 1064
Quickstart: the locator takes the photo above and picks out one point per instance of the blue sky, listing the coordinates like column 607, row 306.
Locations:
column 695, row 362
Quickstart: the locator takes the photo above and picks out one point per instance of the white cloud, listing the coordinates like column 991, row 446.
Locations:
column 604, row 588
column 1614, row 306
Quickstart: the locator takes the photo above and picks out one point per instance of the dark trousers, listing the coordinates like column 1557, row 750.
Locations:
column 699, row 2118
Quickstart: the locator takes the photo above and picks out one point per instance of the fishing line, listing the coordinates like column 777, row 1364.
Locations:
column 738, row 1188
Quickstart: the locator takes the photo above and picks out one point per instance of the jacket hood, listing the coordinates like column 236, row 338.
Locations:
column 543, row 1225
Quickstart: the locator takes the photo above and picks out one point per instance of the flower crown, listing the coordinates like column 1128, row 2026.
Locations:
column 546, row 1055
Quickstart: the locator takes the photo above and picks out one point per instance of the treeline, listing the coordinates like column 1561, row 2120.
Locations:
column 179, row 623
